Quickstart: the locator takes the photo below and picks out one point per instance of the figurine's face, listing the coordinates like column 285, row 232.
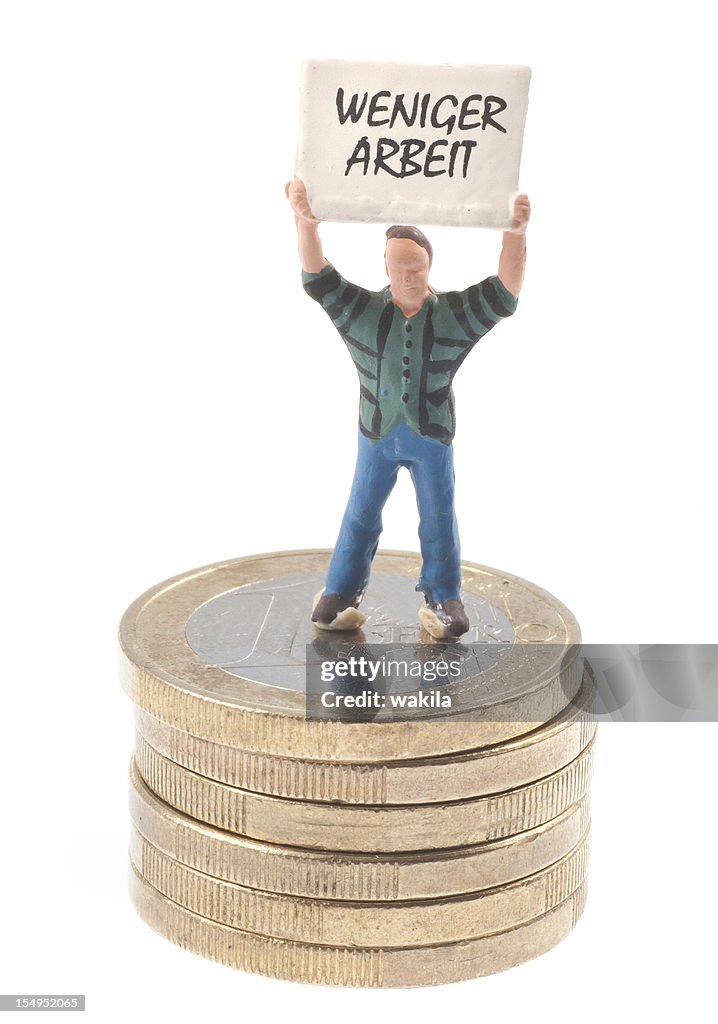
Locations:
column 407, row 265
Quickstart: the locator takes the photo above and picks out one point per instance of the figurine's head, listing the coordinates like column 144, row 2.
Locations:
column 408, row 259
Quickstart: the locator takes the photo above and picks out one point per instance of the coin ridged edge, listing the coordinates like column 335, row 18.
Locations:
column 374, row 968
column 388, row 924
column 283, row 735
column 369, row 828
column 450, row 777
column 351, row 876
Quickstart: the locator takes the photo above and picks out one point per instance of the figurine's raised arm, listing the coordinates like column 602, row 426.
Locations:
column 310, row 244
column 513, row 252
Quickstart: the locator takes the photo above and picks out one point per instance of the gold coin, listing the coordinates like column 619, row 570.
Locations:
column 368, row 828
column 352, row 876
column 386, row 924
column 217, row 651
column 342, row 965
column 443, row 778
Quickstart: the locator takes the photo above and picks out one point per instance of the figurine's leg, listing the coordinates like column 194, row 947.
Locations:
column 432, row 472
column 374, row 478
column 348, row 574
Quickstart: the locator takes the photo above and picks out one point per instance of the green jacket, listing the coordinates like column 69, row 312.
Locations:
column 406, row 366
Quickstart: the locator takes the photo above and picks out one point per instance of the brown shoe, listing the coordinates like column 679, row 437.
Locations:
column 443, row 621
column 334, row 611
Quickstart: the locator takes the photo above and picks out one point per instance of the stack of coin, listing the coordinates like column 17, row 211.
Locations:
column 384, row 851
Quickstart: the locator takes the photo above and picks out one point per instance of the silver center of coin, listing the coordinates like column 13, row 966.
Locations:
column 261, row 631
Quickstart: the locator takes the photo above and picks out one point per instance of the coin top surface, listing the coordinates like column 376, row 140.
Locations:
column 260, row 631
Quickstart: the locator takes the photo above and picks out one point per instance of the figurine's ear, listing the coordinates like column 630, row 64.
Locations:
column 385, row 264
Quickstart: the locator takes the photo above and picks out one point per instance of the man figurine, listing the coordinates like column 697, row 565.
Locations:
column 407, row 342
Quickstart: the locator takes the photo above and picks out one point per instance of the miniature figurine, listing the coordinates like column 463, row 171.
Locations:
column 407, row 342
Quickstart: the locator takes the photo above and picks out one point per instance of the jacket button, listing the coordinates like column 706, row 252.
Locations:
column 405, row 398
column 406, row 360
column 406, row 375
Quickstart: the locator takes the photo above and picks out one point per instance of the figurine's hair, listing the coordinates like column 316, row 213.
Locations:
column 406, row 231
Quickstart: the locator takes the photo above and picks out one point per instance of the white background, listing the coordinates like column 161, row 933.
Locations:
column 171, row 398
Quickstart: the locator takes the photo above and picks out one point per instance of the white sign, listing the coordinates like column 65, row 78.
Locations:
column 412, row 143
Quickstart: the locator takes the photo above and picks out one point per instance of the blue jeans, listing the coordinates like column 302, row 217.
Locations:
column 431, row 465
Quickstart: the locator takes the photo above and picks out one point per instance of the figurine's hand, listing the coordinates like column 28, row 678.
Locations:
column 296, row 193
column 521, row 214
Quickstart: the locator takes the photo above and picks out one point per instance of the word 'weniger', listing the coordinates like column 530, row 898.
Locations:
column 399, row 158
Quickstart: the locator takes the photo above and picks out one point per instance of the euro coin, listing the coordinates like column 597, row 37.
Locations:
column 222, row 653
